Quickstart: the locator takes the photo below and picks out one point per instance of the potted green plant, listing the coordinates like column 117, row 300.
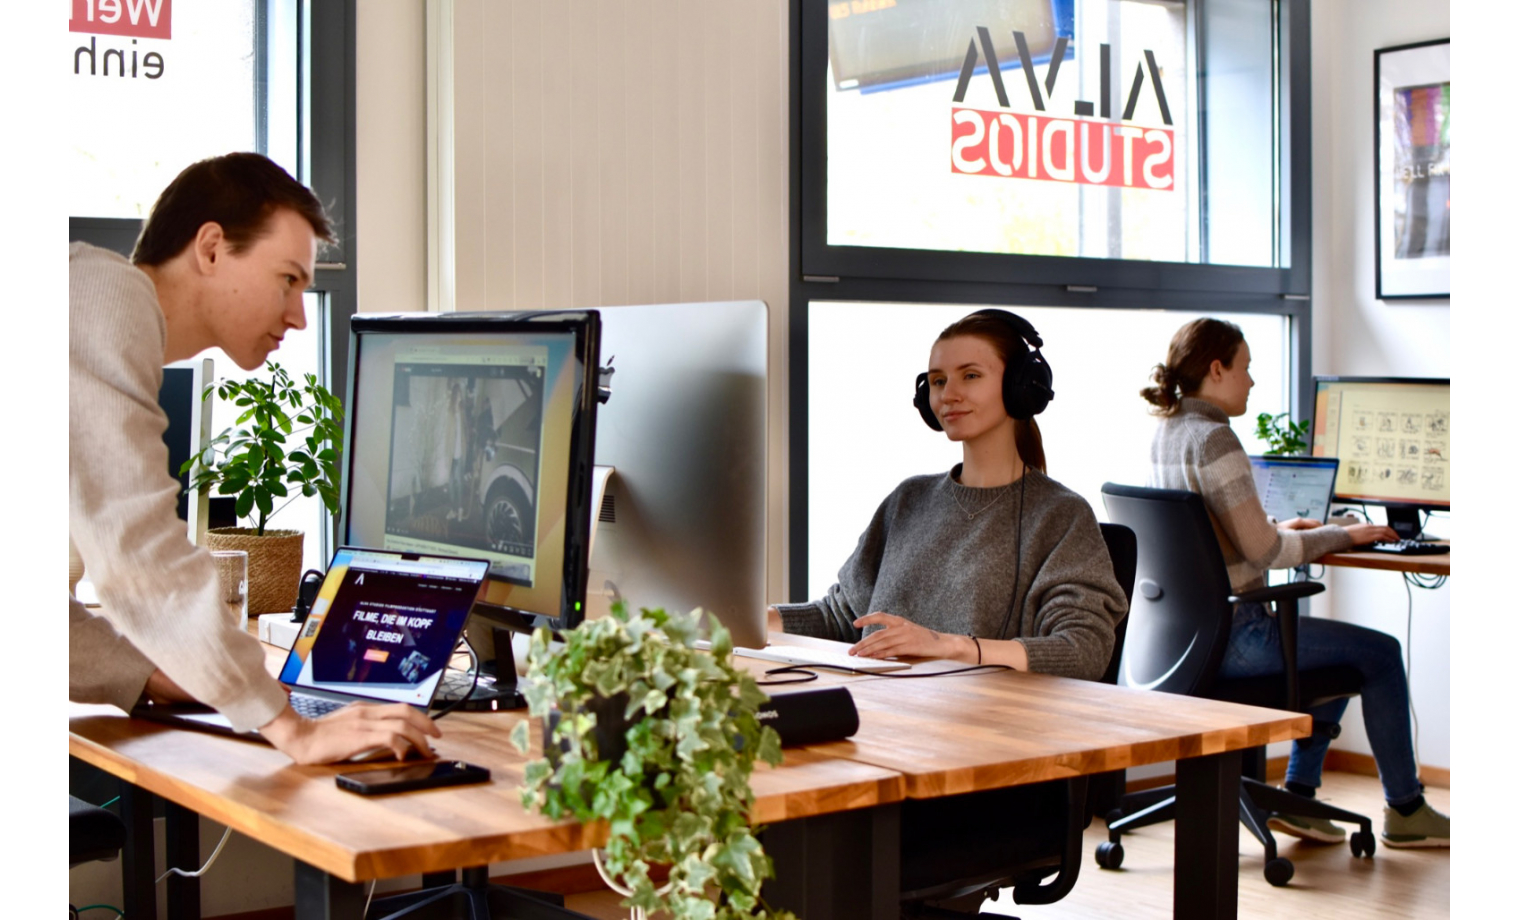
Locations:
column 657, row 738
column 1283, row 436
column 286, row 442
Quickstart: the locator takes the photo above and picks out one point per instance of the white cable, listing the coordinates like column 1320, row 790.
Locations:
column 202, row 870
column 1409, row 663
column 369, row 897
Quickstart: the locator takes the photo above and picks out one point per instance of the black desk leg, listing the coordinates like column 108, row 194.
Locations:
column 137, row 869
column 843, row 865
column 1206, row 869
column 182, row 839
column 319, row 896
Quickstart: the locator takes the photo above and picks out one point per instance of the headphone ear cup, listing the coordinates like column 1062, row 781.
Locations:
column 921, row 402
column 1026, row 387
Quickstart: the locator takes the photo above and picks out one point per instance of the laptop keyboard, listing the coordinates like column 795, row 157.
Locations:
column 313, row 707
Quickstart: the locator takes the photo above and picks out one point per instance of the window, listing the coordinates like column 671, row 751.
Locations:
column 155, row 86
column 1107, row 168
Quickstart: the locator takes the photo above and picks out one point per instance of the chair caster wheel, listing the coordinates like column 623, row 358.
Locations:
column 1363, row 844
column 1110, row 855
column 1116, row 814
column 1278, row 872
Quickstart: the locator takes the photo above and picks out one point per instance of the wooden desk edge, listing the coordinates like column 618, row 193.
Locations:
column 1390, row 562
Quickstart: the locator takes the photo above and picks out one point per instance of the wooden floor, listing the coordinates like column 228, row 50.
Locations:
column 1329, row 881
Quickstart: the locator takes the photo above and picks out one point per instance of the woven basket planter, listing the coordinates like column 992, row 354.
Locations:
column 274, row 564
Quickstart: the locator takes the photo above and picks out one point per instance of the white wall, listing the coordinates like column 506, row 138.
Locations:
column 632, row 155
column 1355, row 333
column 391, row 211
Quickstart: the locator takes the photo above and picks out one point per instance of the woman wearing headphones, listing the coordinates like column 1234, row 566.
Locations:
column 1205, row 381
column 992, row 562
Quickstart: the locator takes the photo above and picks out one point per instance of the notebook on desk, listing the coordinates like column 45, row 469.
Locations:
column 1295, row 487
column 381, row 630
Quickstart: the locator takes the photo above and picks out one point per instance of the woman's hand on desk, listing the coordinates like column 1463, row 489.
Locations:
column 350, row 730
column 1362, row 534
column 899, row 637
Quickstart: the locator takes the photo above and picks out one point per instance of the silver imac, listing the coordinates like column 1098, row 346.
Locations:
column 682, row 522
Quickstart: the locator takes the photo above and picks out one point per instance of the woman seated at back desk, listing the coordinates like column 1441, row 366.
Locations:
column 993, row 562
column 1205, row 381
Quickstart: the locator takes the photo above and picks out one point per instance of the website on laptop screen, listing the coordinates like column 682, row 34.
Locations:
column 1295, row 487
column 383, row 626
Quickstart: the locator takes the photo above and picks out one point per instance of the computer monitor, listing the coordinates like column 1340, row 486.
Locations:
column 1393, row 438
column 473, row 434
column 682, row 523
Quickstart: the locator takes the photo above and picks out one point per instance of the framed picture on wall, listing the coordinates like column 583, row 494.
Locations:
column 1412, row 165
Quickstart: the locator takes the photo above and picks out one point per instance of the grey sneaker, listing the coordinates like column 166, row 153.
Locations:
column 1321, row 830
column 1425, row 828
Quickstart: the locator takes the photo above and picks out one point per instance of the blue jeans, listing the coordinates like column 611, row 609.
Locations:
column 1255, row 649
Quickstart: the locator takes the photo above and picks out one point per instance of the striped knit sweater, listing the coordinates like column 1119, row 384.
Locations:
column 160, row 588
column 1196, row 450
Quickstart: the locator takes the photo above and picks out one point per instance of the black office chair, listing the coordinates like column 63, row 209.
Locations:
column 958, row 851
column 94, row 833
column 1180, row 629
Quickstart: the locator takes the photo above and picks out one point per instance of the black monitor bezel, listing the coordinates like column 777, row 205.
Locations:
column 586, row 326
column 1337, row 497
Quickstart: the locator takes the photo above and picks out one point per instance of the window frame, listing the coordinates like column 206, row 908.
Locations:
column 820, row 272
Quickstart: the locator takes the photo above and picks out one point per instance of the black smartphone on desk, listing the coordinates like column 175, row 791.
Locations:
column 426, row 775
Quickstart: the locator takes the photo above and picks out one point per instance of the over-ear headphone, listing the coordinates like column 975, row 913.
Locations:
column 1026, row 378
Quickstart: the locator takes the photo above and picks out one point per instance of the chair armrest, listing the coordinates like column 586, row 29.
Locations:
column 1030, row 891
column 1293, row 590
column 1285, row 599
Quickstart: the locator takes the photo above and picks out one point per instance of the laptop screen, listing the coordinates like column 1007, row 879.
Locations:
column 384, row 625
column 1293, row 487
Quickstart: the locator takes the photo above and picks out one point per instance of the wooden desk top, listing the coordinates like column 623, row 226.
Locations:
column 1014, row 727
column 257, row 791
column 1389, row 562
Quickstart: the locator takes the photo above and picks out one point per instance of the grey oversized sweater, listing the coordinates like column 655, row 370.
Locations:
column 925, row 558
column 1196, row 450
column 159, row 588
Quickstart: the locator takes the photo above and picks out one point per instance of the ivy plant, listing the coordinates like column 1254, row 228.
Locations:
column 288, row 438
column 657, row 738
column 1283, row 436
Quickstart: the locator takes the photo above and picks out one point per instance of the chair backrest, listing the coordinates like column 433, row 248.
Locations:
column 1180, row 616
column 1121, row 552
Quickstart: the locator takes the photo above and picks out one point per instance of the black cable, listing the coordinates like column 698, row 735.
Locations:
column 807, row 669
column 474, row 679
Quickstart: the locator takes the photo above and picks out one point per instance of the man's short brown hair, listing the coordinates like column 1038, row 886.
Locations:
column 239, row 191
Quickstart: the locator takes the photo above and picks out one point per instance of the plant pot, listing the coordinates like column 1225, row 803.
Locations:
column 274, row 564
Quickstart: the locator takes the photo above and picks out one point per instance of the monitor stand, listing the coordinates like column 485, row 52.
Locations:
column 492, row 691
column 1405, row 521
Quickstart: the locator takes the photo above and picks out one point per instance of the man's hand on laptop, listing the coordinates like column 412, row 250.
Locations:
column 350, row 730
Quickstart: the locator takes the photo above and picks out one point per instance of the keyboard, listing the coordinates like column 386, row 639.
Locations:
column 313, row 707
column 1410, row 548
column 805, row 656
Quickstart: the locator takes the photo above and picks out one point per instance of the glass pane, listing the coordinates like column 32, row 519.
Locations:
column 864, row 437
column 153, row 87
column 300, row 354
column 1053, row 127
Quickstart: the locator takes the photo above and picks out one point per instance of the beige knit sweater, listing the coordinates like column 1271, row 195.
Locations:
column 1196, row 450
column 159, row 588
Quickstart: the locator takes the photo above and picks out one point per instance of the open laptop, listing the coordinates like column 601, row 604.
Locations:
column 382, row 630
column 1295, row 487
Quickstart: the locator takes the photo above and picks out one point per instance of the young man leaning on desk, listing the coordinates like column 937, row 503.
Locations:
column 223, row 261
